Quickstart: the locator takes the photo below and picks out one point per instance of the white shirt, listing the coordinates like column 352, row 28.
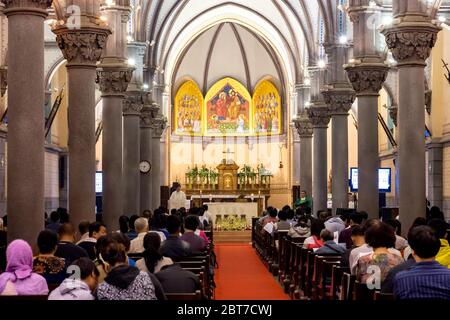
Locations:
column 137, row 244
column 177, row 200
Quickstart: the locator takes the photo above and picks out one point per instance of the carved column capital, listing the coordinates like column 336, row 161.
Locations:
column 82, row 46
column 113, row 80
column 319, row 115
column 303, row 125
column 367, row 78
column 3, row 80
column 339, row 100
column 133, row 103
column 411, row 42
column 159, row 125
column 146, row 118
column 38, row 7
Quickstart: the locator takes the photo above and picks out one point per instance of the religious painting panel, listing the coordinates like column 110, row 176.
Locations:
column 267, row 109
column 228, row 109
column 188, row 110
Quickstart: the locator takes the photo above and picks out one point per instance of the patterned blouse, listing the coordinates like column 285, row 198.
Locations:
column 52, row 268
column 384, row 261
column 141, row 288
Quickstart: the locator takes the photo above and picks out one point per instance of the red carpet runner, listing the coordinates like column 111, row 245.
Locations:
column 242, row 275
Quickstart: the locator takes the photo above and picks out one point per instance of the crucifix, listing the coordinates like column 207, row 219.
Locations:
column 226, row 153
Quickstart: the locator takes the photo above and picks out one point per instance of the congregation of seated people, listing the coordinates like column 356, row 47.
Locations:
column 373, row 251
column 140, row 261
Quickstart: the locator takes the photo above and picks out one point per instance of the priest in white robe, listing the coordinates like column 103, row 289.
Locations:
column 177, row 199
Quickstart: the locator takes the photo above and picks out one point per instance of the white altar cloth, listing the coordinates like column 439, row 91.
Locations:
column 222, row 209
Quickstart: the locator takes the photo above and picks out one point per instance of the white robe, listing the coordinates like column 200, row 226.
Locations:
column 177, row 200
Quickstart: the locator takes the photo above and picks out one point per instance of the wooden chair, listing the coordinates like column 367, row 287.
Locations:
column 184, row 296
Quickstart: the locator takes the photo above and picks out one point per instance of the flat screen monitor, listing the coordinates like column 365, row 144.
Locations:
column 384, row 179
column 98, row 182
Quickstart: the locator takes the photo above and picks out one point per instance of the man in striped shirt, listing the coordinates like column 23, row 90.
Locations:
column 427, row 279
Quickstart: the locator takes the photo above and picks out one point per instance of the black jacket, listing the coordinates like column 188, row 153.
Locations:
column 175, row 279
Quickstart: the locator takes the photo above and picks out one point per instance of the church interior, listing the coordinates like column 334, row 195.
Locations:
column 188, row 135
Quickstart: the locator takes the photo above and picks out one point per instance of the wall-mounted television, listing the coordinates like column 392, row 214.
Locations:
column 99, row 182
column 384, row 179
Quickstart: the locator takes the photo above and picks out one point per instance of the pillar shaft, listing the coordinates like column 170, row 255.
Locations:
column 339, row 161
column 411, row 39
column 320, row 119
column 147, row 155
column 159, row 124
column 82, row 48
column 131, row 152
column 25, row 149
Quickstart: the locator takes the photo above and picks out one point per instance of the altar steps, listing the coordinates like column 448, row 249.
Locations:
column 233, row 236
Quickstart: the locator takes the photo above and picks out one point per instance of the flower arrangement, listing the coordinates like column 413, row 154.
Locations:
column 232, row 223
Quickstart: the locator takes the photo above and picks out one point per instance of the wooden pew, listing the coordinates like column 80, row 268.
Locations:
column 347, row 284
column 379, row 296
column 362, row 293
column 184, row 296
column 336, row 281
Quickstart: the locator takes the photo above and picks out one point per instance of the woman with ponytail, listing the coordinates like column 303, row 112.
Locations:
column 152, row 261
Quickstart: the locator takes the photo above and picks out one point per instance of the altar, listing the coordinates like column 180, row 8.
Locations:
column 237, row 215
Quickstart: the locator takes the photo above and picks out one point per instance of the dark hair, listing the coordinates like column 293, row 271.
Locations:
column 47, row 241
column 123, row 224
column 173, row 224
column 63, row 215
column 380, row 235
column 123, row 239
column 282, row 215
column 395, row 224
column 424, row 242
column 133, row 218
column 101, row 242
column 205, row 207
column 357, row 231
column 364, row 215
column 326, row 235
column 83, row 227
column 66, row 229
column 419, row 221
column 113, row 252
column 436, row 213
column 159, row 221
column 173, row 211
column 191, row 222
column 323, row 215
column 86, row 267
column 290, row 214
column 356, row 217
column 146, row 214
column 152, row 243
column 95, row 227
column 55, row 216
column 272, row 212
column 439, row 226
column 286, row 207
column 316, row 227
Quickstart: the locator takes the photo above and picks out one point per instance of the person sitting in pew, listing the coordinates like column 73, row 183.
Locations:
column 141, row 227
column 282, row 224
column 380, row 237
column 174, row 247
column 345, row 236
column 81, row 286
column 123, row 282
column 314, row 241
column 96, row 230
column 52, row 268
column 329, row 248
column 66, row 248
column 174, row 279
column 19, row 278
column 152, row 260
column 196, row 242
column 357, row 238
column 426, row 279
column 301, row 229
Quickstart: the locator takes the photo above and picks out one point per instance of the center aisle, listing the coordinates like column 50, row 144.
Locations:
column 242, row 275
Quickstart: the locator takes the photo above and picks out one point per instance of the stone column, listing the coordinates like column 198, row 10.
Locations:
column 305, row 131
column 410, row 39
column 132, row 108
column 366, row 72
column 339, row 99
column 25, row 149
column 159, row 124
column 320, row 118
column 82, row 48
column 147, row 115
column 113, row 76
